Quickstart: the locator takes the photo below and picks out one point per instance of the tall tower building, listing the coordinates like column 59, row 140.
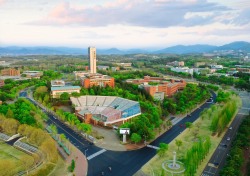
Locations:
column 92, row 59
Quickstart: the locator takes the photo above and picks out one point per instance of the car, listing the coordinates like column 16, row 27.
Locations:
column 209, row 101
column 228, row 138
column 230, row 128
column 216, row 164
column 115, row 127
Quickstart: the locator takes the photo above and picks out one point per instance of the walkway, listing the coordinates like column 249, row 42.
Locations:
column 81, row 166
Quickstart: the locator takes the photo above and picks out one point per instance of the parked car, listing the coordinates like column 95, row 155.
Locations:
column 228, row 138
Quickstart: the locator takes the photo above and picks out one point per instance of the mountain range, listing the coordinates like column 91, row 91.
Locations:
column 178, row 49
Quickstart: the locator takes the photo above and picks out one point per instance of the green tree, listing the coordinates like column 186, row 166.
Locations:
column 10, row 114
column 64, row 96
column 135, row 138
column 189, row 125
column 163, row 147
column 178, row 143
column 72, row 166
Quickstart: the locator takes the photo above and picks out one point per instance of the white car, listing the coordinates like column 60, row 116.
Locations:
column 228, row 138
column 230, row 128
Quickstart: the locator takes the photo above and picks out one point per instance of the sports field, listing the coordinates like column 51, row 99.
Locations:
column 13, row 160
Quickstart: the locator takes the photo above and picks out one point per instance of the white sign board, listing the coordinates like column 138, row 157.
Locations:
column 124, row 131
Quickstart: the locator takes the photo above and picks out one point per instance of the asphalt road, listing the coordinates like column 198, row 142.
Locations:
column 218, row 159
column 124, row 163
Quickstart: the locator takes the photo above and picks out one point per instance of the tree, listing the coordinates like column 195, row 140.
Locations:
column 178, row 143
column 10, row 114
column 64, row 96
column 27, row 162
column 72, row 166
column 53, row 130
column 169, row 123
column 189, row 125
column 135, row 137
column 162, row 149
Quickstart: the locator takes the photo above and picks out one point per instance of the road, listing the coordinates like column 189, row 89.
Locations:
column 218, row 159
column 124, row 163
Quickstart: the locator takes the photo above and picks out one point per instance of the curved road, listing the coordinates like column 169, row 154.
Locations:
column 124, row 163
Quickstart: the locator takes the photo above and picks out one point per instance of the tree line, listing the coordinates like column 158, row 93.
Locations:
column 35, row 136
column 23, row 111
column 236, row 159
column 195, row 155
column 224, row 114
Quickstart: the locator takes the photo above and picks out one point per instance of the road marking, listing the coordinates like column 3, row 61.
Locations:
column 96, row 154
column 176, row 120
column 154, row 147
column 207, row 173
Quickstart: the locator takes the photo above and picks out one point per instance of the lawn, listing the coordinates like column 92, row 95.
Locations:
column 11, row 160
column 155, row 164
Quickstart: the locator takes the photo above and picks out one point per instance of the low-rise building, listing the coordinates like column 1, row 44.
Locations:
column 217, row 67
column 1, row 82
column 197, row 64
column 97, row 79
column 57, row 83
column 125, row 65
column 10, row 72
column 56, row 91
column 168, row 88
column 183, row 70
column 102, row 67
column 158, row 87
column 177, row 63
column 79, row 74
column 115, row 68
column 33, row 74
column 243, row 70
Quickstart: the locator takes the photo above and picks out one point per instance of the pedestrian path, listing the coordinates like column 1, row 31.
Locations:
column 96, row 154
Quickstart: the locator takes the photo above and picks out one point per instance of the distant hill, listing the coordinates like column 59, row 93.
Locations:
column 181, row 49
column 245, row 46
column 178, row 49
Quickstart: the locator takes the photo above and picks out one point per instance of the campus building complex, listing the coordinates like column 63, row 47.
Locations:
column 105, row 110
column 92, row 59
column 10, row 72
column 159, row 87
column 90, row 80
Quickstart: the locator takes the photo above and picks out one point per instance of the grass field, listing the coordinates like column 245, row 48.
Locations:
column 11, row 160
column 155, row 164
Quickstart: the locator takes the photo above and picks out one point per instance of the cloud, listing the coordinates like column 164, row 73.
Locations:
column 150, row 13
column 2, row 2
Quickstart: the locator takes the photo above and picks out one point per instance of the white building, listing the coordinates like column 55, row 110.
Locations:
column 217, row 67
column 183, row 70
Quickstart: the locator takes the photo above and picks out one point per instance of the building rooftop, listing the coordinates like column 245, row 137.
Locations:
column 55, row 83
column 65, row 88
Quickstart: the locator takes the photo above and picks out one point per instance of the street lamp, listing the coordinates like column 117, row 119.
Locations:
column 85, row 152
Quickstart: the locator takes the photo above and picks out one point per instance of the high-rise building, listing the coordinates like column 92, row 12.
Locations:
column 92, row 59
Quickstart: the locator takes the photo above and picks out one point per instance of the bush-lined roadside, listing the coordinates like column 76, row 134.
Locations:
column 200, row 129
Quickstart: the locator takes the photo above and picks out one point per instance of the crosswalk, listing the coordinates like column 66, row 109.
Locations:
column 176, row 120
column 154, row 147
column 96, row 154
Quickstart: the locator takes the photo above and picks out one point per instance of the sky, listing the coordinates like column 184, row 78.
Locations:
column 124, row 24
